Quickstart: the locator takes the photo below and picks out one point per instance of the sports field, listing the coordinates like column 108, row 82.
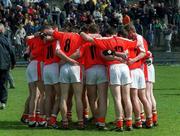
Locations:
column 167, row 93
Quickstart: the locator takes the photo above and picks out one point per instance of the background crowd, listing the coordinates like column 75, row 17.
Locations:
column 155, row 21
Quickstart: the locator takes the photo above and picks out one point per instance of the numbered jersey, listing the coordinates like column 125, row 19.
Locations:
column 113, row 43
column 91, row 55
column 36, row 47
column 50, row 52
column 69, row 42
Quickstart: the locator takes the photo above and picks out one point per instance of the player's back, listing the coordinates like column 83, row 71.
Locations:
column 91, row 55
column 36, row 47
column 70, row 42
column 50, row 52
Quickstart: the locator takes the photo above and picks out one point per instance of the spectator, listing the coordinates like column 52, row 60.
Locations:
column 7, row 61
column 177, row 20
column 19, row 40
column 157, row 32
column 7, row 3
column 138, row 26
column 168, row 37
column 97, row 15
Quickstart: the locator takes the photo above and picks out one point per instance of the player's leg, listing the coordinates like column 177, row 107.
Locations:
column 63, row 103
column 33, row 103
column 25, row 116
column 85, row 103
column 92, row 97
column 56, row 105
column 48, row 101
column 125, row 91
column 102, row 104
column 116, row 94
column 69, row 103
column 128, row 105
column 78, row 88
column 147, row 107
column 136, row 107
column 41, row 117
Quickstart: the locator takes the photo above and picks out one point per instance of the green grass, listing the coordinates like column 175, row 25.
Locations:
column 167, row 93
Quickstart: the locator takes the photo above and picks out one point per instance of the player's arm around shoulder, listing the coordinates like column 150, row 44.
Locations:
column 63, row 56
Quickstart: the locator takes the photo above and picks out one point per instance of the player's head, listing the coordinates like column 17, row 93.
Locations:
column 110, row 31
column 43, row 32
column 84, row 28
column 130, row 28
column 122, row 32
column 93, row 28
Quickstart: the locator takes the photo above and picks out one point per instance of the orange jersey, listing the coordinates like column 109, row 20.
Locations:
column 91, row 55
column 134, row 52
column 113, row 43
column 36, row 47
column 50, row 52
column 69, row 42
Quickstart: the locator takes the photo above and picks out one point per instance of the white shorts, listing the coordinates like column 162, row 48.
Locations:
column 70, row 73
column 151, row 74
column 32, row 71
column 96, row 75
column 119, row 74
column 51, row 74
column 138, row 79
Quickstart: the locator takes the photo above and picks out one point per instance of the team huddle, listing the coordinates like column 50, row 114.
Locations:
column 85, row 64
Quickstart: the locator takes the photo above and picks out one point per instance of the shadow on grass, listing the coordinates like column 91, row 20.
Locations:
column 16, row 125
column 176, row 94
column 8, row 125
column 166, row 89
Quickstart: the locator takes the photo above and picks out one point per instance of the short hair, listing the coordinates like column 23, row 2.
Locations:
column 122, row 32
column 93, row 28
column 130, row 27
column 110, row 31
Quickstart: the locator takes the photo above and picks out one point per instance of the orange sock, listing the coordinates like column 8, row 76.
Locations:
column 52, row 120
column 155, row 116
column 129, row 123
column 119, row 123
column 142, row 117
column 101, row 121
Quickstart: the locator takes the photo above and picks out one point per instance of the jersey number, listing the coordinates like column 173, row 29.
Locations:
column 49, row 52
column 67, row 45
column 119, row 48
column 93, row 50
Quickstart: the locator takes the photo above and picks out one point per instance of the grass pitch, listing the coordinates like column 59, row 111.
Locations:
column 167, row 93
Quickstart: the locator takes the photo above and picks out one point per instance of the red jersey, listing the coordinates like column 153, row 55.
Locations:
column 134, row 51
column 69, row 42
column 91, row 55
column 50, row 52
column 113, row 43
column 36, row 46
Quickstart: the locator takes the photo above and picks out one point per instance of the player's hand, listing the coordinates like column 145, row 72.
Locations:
column 62, row 62
column 74, row 62
column 122, row 60
column 131, row 61
column 48, row 31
